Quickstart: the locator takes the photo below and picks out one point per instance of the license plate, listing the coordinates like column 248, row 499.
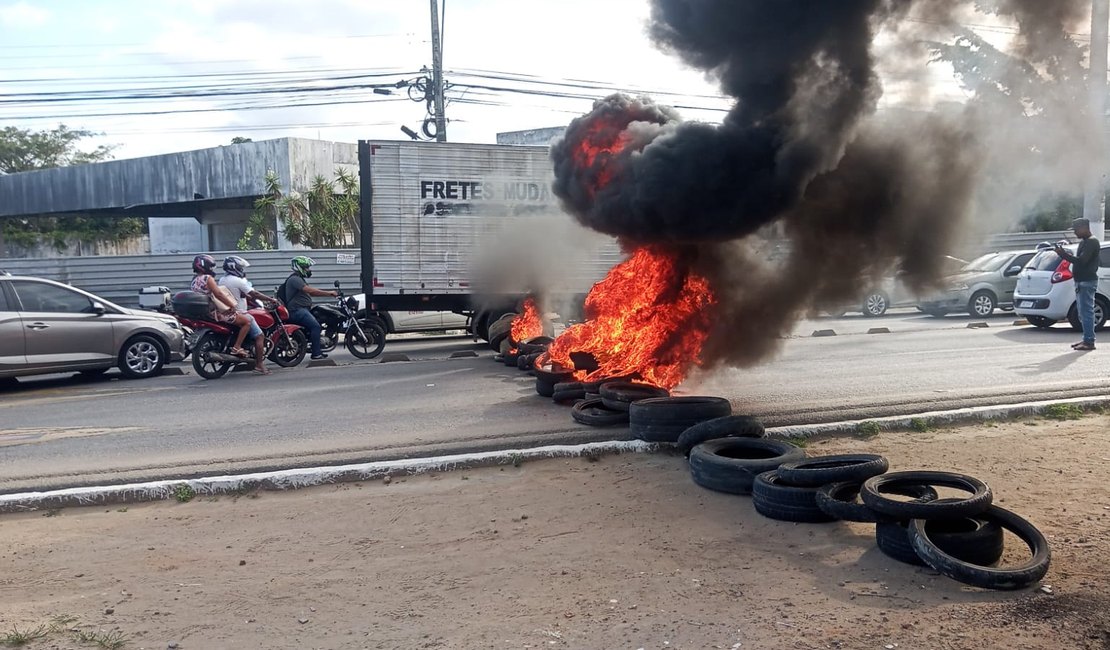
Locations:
column 1025, row 303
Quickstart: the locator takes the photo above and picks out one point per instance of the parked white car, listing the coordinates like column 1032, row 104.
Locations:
column 399, row 322
column 1045, row 293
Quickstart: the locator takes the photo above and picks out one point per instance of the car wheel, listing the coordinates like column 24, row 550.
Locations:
column 875, row 305
column 141, row 357
column 982, row 304
column 1102, row 310
column 1040, row 322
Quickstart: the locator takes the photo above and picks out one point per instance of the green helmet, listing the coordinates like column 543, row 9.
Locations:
column 302, row 265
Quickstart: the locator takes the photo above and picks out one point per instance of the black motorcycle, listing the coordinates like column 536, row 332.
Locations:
column 364, row 337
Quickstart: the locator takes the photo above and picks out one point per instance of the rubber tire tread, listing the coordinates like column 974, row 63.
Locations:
column 1007, row 578
column 714, row 471
column 816, row 471
column 594, row 414
column 728, row 426
column 670, row 410
column 774, row 498
column 981, row 546
column 978, row 502
column 619, row 395
column 833, row 500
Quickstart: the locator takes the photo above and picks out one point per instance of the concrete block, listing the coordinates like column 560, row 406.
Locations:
column 322, row 363
column 463, row 354
column 1021, row 322
column 879, row 330
column 977, row 326
column 176, row 371
column 391, row 357
column 824, row 333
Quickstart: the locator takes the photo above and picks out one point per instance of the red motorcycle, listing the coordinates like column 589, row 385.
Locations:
column 210, row 342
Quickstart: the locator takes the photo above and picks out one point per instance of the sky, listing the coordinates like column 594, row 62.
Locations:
column 497, row 53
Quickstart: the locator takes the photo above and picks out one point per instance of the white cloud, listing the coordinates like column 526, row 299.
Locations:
column 23, row 14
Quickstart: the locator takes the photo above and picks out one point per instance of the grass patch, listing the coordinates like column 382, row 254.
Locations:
column 184, row 493
column 920, row 425
column 516, row 459
column 1063, row 412
column 113, row 640
column 18, row 638
column 801, row 443
column 868, row 429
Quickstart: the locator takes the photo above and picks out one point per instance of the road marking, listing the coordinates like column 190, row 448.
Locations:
column 13, row 437
column 69, row 398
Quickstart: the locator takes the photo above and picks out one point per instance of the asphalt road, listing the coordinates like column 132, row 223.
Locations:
column 65, row 431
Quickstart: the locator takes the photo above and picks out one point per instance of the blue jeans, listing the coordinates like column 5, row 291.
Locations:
column 304, row 318
column 1085, row 306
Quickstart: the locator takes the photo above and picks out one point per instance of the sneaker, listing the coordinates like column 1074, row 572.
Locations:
column 322, row 355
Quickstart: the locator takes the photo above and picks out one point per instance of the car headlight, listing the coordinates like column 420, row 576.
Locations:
column 172, row 324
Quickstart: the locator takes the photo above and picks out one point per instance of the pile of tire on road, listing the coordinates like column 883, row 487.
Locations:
column 961, row 538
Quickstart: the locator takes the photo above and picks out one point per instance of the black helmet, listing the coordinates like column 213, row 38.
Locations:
column 205, row 264
column 235, row 265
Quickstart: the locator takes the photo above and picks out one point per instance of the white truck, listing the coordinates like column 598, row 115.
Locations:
column 469, row 229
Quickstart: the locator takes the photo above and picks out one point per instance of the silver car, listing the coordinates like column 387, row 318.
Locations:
column 48, row 327
column 983, row 285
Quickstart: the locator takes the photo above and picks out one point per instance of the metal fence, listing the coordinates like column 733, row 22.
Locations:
column 119, row 278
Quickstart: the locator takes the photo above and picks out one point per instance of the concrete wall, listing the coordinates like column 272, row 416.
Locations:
column 175, row 235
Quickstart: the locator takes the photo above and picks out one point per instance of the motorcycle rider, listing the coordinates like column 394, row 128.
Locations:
column 236, row 282
column 297, row 295
column 204, row 281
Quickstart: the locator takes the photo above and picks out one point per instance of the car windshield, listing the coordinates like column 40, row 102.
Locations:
column 988, row 262
column 1045, row 261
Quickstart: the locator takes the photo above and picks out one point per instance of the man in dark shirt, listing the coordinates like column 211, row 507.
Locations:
column 297, row 295
column 1084, row 269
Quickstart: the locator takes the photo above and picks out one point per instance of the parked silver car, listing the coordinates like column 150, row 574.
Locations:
column 48, row 327
column 983, row 285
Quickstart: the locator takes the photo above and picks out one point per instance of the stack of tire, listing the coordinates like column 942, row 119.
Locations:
column 499, row 332
column 961, row 538
column 612, row 404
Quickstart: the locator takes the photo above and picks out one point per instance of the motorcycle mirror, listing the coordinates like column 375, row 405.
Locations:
column 337, row 284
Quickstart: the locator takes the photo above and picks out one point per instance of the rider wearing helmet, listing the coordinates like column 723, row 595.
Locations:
column 204, row 281
column 298, row 295
column 236, row 283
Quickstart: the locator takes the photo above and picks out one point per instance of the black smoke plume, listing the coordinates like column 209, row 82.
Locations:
column 856, row 195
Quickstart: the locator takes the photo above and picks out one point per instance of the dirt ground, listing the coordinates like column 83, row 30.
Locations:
column 619, row 552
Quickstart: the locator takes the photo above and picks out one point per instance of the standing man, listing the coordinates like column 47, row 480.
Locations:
column 1084, row 268
column 235, row 281
column 298, row 298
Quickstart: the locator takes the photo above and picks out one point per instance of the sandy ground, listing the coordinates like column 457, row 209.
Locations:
column 619, row 552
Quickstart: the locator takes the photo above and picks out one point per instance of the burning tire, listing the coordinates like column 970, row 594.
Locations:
column 729, row 426
column 841, row 500
column 731, row 464
column 546, row 378
column 570, row 391
column 510, row 358
column 525, row 361
column 499, row 331
column 535, row 345
column 664, row 419
column 776, row 499
column 619, row 395
column 594, row 413
column 973, row 540
column 815, row 472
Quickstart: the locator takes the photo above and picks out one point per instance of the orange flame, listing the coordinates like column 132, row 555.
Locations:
column 528, row 324
column 648, row 318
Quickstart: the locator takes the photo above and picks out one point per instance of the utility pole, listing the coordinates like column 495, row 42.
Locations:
column 1096, row 78
column 437, row 74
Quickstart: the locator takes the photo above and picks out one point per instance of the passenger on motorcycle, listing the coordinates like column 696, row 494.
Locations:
column 204, row 281
column 236, row 282
column 297, row 295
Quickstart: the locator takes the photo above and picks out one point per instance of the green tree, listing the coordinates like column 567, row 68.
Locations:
column 240, row 140
column 326, row 215
column 23, row 150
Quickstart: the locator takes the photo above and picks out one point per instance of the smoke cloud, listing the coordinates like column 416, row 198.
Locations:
column 855, row 193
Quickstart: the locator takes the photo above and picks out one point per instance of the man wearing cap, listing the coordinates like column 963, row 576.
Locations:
column 1084, row 269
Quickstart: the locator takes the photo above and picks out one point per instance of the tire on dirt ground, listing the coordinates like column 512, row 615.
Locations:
column 841, row 500
column 976, row 540
column 930, row 549
column 874, row 487
column 731, row 464
column 775, row 499
column 816, row 471
column 728, row 426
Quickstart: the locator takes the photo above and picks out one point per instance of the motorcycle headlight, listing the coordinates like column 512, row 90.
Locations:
column 352, row 303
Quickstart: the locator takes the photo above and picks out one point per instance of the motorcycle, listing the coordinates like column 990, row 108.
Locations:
column 210, row 342
column 364, row 337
